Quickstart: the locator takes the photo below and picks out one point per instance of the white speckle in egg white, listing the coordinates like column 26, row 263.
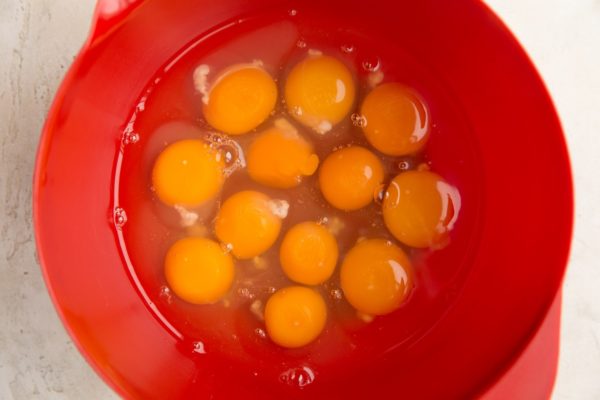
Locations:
column 201, row 81
column 260, row 263
column 335, row 225
column 279, row 208
column 187, row 218
column 285, row 126
column 323, row 127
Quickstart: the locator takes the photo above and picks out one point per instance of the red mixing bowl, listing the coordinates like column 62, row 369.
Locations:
column 515, row 269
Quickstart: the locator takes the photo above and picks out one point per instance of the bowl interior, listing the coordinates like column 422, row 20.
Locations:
column 523, row 187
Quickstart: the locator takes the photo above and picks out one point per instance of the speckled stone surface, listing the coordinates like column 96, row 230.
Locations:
column 38, row 40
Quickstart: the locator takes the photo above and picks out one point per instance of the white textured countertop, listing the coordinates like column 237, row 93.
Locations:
column 38, row 40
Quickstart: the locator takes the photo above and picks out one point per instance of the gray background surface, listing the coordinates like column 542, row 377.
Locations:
column 38, row 40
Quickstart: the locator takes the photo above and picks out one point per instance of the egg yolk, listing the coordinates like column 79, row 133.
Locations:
column 198, row 270
column 249, row 222
column 308, row 253
column 240, row 100
column 349, row 177
column 280, row 157
column 376, row 276
column 187, row 173
column 420, row 208
column 397, row 120
column 319, row 92
column 295, row 316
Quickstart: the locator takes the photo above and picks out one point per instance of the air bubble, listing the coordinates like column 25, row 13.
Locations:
column 245, row 293
column 297, row 111
column 293, row 12
column 227, row 247
column 358, row 120
column 299, row 377
column 403, row 165
column 347, row 48
column 166, row 295
column 199, row 348
column 301, row 44
column 120, row 217
column 130, row 137
column 229, row 151
column 260, row 333
column 371, row 64
column 336, row 294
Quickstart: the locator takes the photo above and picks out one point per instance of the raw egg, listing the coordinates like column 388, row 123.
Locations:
column 397, row 120
column 240, row 99
column 376, row 276
column 319, row 92
column 279, row 157
column 350, row 177
column 198, row 270
column 249, row 222
column 187, row 173
column 295, row 316
column 420, row 208
column 308, row 253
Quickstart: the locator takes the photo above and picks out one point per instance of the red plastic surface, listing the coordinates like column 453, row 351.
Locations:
column 516, row 269
column 533, row 373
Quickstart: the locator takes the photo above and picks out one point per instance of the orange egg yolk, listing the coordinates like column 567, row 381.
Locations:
column 308, row 253
column 295, row 316
column 376, row 276
column 279, row 157
column 187, row 173
column 319, row 92
column 198, row 270
column 350, row 177
column 249, row 222
column 397, row 120
column 240, row 100
column 420, row 208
